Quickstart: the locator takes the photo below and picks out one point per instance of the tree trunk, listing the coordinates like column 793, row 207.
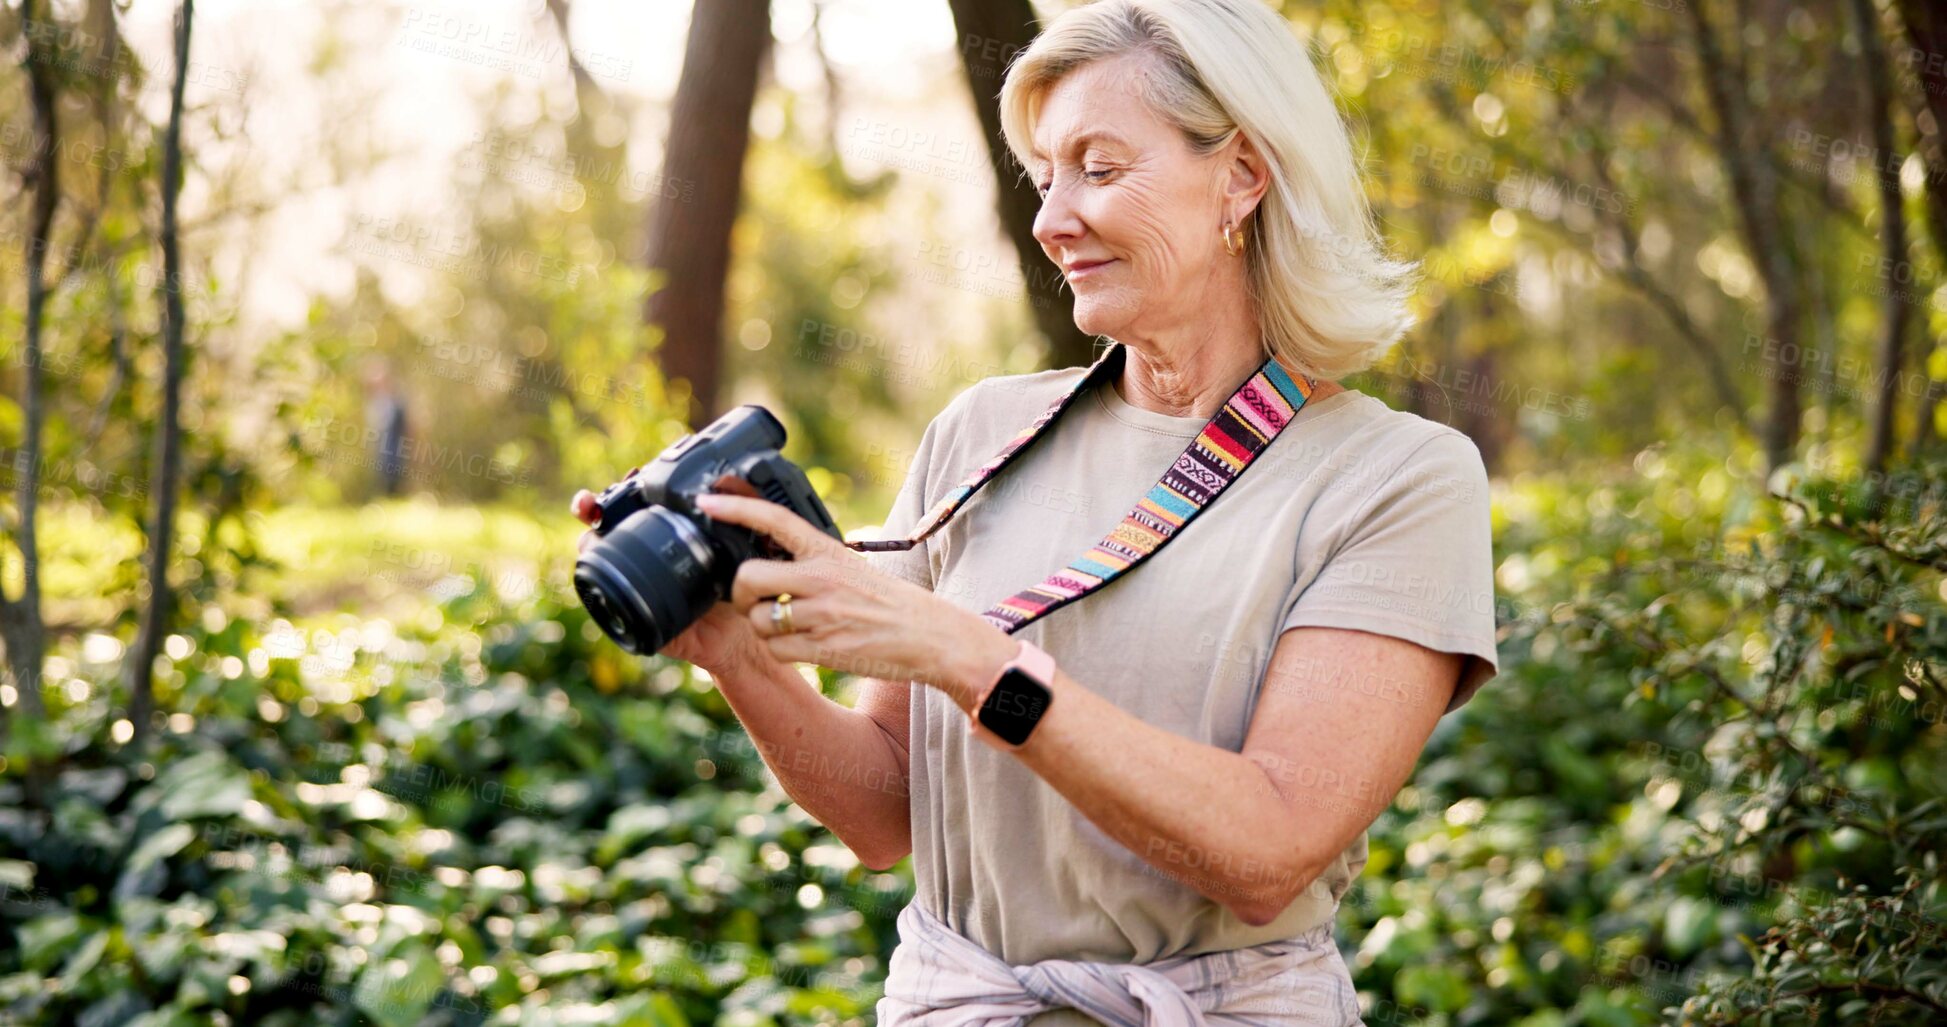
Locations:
column 1754, row 194
column 991, row 33
column 1926, row 26
column 586, row 88
column 689, row 238
column 1926, row 30
column 1892, row 233
column 168, row 459
column 20, row 619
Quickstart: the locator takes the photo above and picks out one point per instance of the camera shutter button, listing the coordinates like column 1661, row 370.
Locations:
column 679, row 447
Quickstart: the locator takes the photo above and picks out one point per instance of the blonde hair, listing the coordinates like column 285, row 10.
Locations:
column 1329, row 300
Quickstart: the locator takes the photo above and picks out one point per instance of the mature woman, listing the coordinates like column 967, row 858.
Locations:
column 1140, row 801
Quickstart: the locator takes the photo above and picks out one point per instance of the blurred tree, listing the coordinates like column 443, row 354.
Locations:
column 1926, row 27
column 1753, row 175
column 991, row 33
column 20, row 618
column 689, row 238
column 589, row 96
column 168, row 434
column 1892, row 230
column 1925, row 57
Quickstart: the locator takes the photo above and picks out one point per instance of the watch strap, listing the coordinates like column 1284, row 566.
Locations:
column 1030, row 659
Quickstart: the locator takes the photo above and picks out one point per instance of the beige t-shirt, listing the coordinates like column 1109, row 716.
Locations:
column 1357, row 516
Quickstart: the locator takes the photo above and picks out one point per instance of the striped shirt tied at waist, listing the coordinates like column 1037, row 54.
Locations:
column 940, row 978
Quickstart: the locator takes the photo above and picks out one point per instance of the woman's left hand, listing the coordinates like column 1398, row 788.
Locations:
column 847, row 616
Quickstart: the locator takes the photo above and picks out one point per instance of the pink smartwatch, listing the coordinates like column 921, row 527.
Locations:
column 1014, row 702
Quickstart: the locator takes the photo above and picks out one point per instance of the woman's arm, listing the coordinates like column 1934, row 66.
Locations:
column 1328, row 748
column 1325, row 752
column 846, row 767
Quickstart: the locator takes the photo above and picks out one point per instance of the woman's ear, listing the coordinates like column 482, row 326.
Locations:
column 1246, row 176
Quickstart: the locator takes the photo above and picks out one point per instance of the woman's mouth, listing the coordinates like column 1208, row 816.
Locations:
column 1086, row 268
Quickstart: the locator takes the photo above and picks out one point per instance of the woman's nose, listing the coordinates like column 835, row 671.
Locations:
column 1057, row 222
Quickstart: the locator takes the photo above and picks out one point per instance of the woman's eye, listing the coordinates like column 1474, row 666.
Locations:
column 1093, row 175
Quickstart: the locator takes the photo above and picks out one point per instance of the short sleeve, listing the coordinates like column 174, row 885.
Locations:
column 1417, row 562
column 912, row 502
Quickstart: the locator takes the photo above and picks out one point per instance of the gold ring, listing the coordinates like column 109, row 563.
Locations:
column 781, row 614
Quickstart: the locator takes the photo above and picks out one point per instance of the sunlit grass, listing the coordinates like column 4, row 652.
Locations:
column 358, row 559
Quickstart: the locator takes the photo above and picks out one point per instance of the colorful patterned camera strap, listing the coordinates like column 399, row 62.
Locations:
column 1249, row 420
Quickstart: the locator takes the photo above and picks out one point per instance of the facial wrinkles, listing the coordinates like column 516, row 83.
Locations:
column 1145, row 210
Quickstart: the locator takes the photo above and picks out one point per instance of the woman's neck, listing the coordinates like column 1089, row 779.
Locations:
column 1194, row 382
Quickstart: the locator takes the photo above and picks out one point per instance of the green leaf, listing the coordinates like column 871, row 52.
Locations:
column 42, row 939
column 160, row 845
column 84, row 960
column 1435, row 987
column 16, row 875
column 1688, row 925
column 207, row 784
column 652, row 1010
column 396, row 990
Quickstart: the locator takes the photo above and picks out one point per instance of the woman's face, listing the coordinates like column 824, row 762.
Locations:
column 1121, row 190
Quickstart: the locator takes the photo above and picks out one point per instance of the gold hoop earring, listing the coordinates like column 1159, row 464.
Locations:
column 1228, row 248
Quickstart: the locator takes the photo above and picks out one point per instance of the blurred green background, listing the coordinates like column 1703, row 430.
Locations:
column 285, row 745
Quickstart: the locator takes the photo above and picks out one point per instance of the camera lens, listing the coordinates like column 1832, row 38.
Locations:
column 647, row 579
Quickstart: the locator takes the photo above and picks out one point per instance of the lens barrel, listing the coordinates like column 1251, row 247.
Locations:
column 647, row 579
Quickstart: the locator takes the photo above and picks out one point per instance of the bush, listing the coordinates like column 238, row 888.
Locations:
column 495, row 810
column 1706, row 789
column 1720, row 723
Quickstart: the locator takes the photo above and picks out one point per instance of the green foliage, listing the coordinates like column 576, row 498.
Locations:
column 1721, row 721
column 1707, row 788
column 1860, row 958
column 357, row 821
column 397, row 778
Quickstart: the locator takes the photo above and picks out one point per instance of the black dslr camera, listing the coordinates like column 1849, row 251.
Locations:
column 661, row 563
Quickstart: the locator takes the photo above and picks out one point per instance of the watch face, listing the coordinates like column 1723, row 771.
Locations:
column 1014, row 706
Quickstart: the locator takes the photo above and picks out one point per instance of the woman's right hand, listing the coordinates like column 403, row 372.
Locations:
column 722, row 641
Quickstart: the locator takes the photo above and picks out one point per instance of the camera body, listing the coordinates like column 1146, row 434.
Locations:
column 660, row 563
